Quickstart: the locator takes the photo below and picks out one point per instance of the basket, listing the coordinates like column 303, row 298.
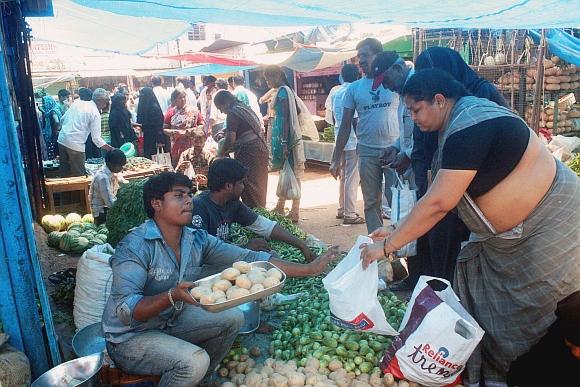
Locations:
column 128, row 149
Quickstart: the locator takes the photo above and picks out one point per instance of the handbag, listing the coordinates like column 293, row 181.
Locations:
column 162, row 158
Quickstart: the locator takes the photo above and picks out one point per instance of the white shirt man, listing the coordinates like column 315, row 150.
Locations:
column 163, row 98
column 81, row 119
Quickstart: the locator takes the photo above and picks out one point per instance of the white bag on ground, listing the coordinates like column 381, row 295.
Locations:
column 404, row 199
column 93, row 285
column 352, row 294
column 288, row 186
column 437, row 336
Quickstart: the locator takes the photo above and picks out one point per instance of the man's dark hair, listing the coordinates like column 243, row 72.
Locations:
column 63, row 93
column 156, row 80
column 239, row 80
column 424, row 84
column 85, row 94
column 159, row 185
column 115, row 157
column 208, row 79
column 223, row 171
column 350, row 73
column 383, row 61
column 222, row 97
column 373, row 44
column 221, row 84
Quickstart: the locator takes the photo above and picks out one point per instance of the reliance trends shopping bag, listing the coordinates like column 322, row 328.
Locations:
column 436, row 338
column 404, row 199
column 352, row 294
column 288, row 186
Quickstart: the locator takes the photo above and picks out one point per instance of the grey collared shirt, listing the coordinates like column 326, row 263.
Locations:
column 144, row 265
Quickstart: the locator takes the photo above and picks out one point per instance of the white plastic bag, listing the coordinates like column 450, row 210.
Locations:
column 93, row 285
column 162, row 158
column 307, row 125
column 403, row 201
column 210, row 146
column 352, row 293
column 437, row 337
column 288, row 186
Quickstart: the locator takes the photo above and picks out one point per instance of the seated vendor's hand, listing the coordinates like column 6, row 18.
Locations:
column 308, row 254
column 381, row 233
column 258, row 244
column 320, row 264
column 183, row 165
column 181, row 293
column 400, row 163
column 371, row 252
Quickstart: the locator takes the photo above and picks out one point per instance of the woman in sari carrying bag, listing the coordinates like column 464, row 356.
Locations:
column 179, row 123
column 521, row 206
column 287, row 142
column 244, row 136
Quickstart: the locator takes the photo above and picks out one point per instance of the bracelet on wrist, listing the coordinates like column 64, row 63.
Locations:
column 177, row 305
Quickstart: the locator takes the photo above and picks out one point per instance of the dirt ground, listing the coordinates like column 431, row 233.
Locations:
column 318, row 217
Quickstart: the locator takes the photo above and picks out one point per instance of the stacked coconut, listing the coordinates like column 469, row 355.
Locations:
column 557, row 76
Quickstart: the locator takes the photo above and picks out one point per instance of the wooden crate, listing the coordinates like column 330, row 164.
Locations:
column 77, row 199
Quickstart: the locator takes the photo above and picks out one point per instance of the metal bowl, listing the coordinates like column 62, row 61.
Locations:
column 251, row 312
column 89, row 340
column 77, row 372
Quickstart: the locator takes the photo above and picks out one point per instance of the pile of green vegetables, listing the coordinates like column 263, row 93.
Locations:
column 328, row 134
column 574, row 164
column 127, row 211
column 306, row 331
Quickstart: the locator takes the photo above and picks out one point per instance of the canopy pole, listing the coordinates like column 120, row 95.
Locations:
column 539, row 83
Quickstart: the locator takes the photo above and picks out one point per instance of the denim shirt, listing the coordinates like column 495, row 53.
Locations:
column 144, row 265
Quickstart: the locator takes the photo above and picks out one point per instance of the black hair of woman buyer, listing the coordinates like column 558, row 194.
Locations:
column 521, row 206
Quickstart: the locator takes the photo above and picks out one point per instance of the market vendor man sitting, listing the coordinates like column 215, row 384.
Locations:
column 197, row 158
column 217, row 208
column 152, row 324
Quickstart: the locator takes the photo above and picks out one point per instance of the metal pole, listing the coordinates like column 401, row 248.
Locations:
column 539, row 83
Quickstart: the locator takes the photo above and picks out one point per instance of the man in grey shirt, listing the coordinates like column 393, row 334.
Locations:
column 151, row 322
column 376, row 130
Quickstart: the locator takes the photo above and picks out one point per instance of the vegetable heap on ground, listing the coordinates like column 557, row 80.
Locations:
column 574, row 164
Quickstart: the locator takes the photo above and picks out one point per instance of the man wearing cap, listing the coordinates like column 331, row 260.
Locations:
column 393, row 72
column 376, row 130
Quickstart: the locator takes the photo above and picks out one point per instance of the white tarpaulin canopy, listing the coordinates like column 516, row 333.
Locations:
column 79, row 26
column 523, row 14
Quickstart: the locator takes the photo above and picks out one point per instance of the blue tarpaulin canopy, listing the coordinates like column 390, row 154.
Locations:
column 522, row 14
column 562, row 44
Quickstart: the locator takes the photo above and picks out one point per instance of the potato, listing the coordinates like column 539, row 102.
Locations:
column 207, row 299
column 242, row 266
column 256, row 288
column 217, row 294
column 230, row 274
column 236, row 292
column 270, row 282
column 220, row 300
column 222, row 285
column 199, row 291
column 273, row 272
column 257, row 277
column 243, row 282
